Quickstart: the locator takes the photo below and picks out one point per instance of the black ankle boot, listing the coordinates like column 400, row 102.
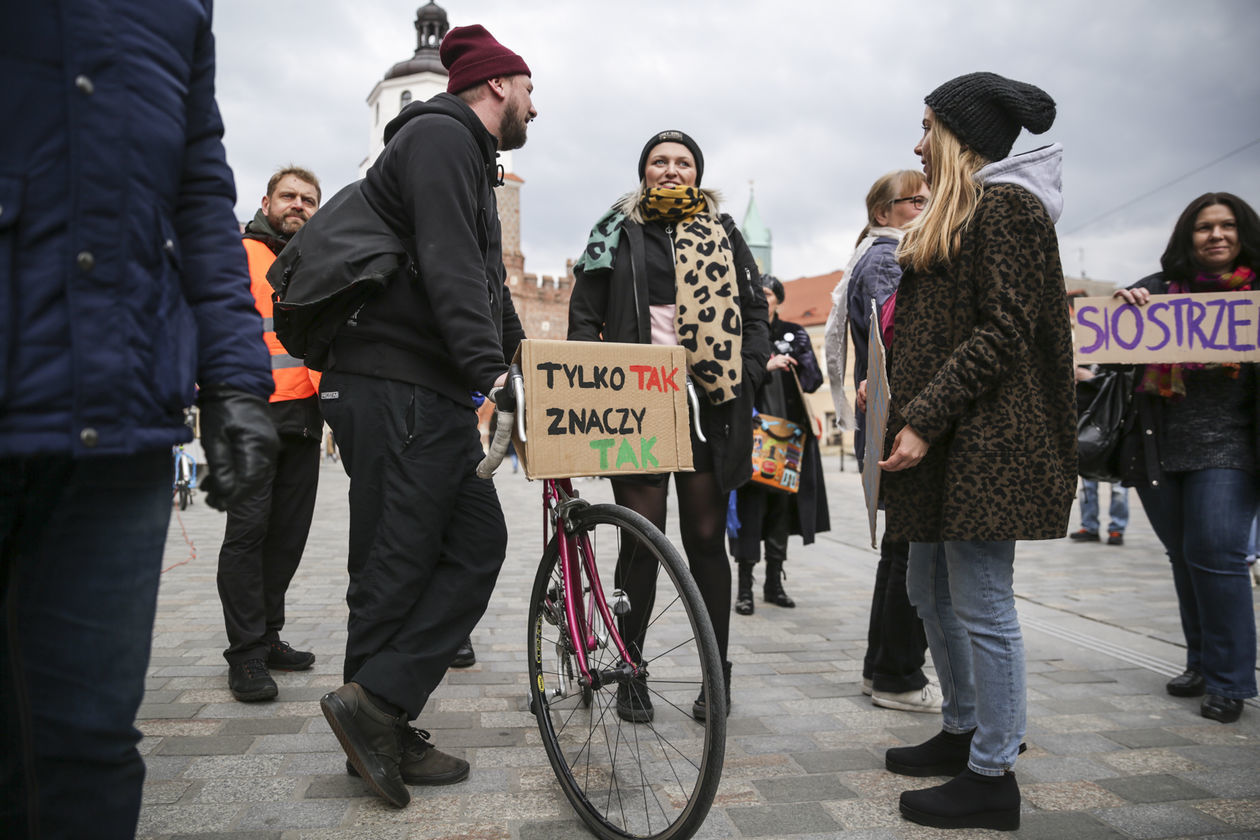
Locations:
column 944, row 754
column 772, row 589
column 969, row 800
column 700, row 709
column 744, row 596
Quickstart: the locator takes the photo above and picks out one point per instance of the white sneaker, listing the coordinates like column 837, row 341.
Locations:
column 926, row 699
column 868, row 686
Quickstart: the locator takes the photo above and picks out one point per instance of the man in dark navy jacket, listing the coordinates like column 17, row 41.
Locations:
column 427, row 537
column 122, row 286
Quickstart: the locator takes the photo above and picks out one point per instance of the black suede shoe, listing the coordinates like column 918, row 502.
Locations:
column 282, row 657
column 634, row 704
column 371, row 739
column 250, row 682
column 700, row 708
column 465, row 657
column 944, row 754
column 1224, row 709
column 1187, row 684
column 1083, row 536
column 424, row 764
column 969, row 800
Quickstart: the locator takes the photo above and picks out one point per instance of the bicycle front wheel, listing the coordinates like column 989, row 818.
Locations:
column 630, row 755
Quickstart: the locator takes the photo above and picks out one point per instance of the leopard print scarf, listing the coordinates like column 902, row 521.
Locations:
column 706, row 290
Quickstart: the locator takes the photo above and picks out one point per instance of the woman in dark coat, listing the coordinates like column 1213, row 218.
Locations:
column 982, row 428
column 640, row 281
column 1198, row 460
column 768, row 515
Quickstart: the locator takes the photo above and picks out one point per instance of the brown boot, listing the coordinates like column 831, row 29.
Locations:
column 424, row 764
column 371, row 738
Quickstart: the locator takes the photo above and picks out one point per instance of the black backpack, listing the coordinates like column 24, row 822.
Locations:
column 344, row 255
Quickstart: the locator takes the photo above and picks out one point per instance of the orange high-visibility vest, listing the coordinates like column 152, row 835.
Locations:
column 294, row 381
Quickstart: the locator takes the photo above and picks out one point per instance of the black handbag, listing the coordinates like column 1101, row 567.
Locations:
column 1101, row 423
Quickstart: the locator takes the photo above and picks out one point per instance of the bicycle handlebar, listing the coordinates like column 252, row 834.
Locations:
column 509, row 407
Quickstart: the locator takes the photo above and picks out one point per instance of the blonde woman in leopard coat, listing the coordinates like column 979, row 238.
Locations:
column 982, row 428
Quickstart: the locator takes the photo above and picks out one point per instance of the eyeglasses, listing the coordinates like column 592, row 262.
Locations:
column 918, row 201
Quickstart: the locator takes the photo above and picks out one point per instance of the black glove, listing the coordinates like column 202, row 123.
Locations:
column 240, row 443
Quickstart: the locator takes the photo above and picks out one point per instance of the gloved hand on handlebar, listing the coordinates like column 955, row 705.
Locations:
column 240, row 443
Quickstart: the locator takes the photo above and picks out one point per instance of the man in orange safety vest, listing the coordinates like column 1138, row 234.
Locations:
column 266, row 532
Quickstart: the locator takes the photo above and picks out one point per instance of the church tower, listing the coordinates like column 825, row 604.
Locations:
column 757, row 235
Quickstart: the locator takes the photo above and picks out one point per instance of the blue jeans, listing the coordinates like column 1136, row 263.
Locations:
column 81, row 552
column 964, row 593
column 1089, row 507
column 1203, row 518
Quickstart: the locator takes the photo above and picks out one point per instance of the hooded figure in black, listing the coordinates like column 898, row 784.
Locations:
column 770, row 515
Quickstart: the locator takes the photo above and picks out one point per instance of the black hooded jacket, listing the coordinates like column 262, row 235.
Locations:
column 447, row 322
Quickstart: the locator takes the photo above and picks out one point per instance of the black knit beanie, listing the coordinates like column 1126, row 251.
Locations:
column 769, row 281
column 673, row 137
column 986, row 111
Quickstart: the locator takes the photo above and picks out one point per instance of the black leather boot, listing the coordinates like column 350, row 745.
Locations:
column 743, row 595
column 772, row 589
column 969, row 800
column 700, row 708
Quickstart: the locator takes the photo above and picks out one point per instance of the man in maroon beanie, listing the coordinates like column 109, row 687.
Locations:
column 427, row 537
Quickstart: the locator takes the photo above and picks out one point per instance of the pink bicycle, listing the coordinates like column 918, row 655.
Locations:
column 612, row 679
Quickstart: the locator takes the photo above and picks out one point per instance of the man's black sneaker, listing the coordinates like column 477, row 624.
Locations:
column 465, row 657
column 282, row 657
column 424, row 764
column 969, row 800
column 250, row 681
column 1084, row 536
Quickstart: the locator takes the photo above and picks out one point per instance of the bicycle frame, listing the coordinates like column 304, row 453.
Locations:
column 573, row 563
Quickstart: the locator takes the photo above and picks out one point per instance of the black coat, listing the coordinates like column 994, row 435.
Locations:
column 612, row 305
column 448, row 322
column 779, row 396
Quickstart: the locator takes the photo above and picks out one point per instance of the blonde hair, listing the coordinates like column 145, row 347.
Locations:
column 631, row 201
column 886, row 188
column 936, row 235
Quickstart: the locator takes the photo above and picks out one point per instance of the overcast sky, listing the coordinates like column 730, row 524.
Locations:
column 810, row 99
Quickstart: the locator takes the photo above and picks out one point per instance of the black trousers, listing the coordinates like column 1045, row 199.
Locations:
column 262, row 547
column 895, row 641
column 427, row 537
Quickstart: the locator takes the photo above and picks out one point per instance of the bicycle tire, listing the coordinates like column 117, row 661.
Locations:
column 184, row 496
column 669, row 766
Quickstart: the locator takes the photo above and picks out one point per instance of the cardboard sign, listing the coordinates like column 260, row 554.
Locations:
column 877, row 398
column 1199, row 327
column 602, row 408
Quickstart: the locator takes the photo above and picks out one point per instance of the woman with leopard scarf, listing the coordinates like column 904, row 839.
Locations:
column 662, row 266
column 982, row 426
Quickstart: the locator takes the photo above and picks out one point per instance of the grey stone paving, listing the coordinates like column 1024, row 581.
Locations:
column 1110, row 754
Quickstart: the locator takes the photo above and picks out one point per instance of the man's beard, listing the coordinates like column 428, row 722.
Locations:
column 287, row 225
column 512, row 127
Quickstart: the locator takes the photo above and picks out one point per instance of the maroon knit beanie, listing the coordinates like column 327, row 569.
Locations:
column 471, row 55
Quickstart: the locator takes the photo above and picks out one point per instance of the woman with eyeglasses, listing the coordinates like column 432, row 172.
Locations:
column 1197, row 460
column 896, row 649
column 981, row 427
column 665, row 266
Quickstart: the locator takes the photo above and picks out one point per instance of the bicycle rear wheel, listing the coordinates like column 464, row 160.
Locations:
column 654, row 778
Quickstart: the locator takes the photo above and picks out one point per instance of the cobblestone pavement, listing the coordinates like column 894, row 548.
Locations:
column 1109, row 753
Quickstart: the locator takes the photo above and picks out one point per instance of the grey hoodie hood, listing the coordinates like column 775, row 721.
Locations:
column 1039, row 171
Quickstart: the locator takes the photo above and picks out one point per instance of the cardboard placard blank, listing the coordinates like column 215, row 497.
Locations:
column 877, row 398
column 603, row 408
column 1198, row 327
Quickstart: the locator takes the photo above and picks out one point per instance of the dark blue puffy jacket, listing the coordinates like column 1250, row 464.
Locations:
column 122, row 277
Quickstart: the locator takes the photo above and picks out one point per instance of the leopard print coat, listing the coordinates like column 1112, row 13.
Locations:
column 981, row 367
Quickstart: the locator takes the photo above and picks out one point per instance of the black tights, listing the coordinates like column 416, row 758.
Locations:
column 702, row 521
